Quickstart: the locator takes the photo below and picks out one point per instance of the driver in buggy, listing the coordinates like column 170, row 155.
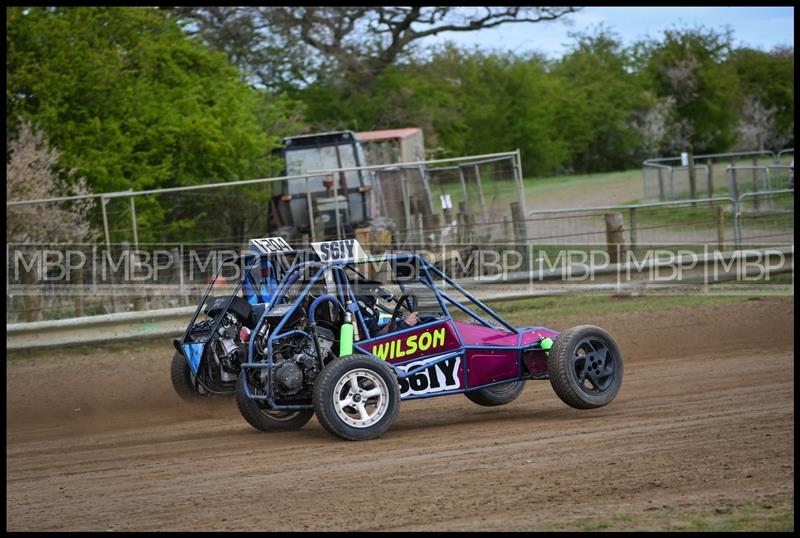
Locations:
column 373, row 301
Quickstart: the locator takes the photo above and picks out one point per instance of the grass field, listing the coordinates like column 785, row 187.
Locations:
column 520, row 312
column 585, row 190
column 552, row 192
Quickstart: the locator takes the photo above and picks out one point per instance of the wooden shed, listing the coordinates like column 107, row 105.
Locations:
column 393, row 145
column 402, row 193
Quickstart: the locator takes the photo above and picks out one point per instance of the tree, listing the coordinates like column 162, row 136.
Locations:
column 608, row 96
column 135, row 104
column 767, row 84
column 690, row 66
column 33, row 172
column 282, row 45
column 651, row 124
column 757, row 126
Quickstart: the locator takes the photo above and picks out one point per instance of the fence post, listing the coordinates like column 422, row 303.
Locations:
column 710, row 178
column 520, row 232
column 661, row 184
column 406, row 207
column 480, row 196
column 78, row 300
column 721, row 228
column 103, row 202
column 517, row 165
column 671, row 183
column 336, row 206
column 133, row 222
column 755, row 183
column 692, row 179
column 33, row 297
column 311, row 227
column 632, row 225
column 733, row 188
column 615, row 240
column 463, row 224
column 183, row 297
column 139, row 302
column 768, row 182
column 463, row 186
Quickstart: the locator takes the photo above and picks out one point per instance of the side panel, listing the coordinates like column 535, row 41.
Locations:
column 485, row 366
column 439, row 377
column 193, row 353
column 536, row 359
column 402, row 346
column 413, row 349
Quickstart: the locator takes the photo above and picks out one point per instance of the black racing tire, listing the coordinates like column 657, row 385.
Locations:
column 496, row 394
column 181, row 377
column 377, row 387
column 585, row 367
column 259, row 416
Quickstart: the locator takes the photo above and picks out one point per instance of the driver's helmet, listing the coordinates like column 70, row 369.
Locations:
column 368, row 293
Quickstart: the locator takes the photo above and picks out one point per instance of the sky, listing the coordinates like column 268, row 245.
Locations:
column 757, row 27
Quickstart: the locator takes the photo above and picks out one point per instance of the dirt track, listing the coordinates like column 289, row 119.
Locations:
column 704, row 419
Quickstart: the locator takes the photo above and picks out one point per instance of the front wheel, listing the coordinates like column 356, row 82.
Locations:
column 181, row 377
column 585, row 367
column 261, row 417
column 497, row 394
column 357, row 397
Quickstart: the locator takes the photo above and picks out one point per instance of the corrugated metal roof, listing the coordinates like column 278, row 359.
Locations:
column 386, row 134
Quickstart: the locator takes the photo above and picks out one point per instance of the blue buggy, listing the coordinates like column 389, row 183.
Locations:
column 210, row 351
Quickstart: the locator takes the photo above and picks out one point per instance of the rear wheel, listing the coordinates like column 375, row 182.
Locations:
column 261, row 417
column 357, row 397
column 496, row 394
column 585, row 367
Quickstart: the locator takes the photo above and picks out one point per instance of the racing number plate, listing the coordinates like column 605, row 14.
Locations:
column 341, row 250
column 266, row 245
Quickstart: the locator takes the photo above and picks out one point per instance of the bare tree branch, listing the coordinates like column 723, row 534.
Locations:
column 289, row 43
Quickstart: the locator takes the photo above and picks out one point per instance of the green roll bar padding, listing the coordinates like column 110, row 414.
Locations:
column 346, row 339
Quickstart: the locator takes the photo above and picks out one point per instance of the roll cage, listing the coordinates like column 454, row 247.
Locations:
column 254, row 292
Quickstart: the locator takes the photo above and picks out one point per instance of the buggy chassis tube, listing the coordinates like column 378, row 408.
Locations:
column 276, row 335
column 256, row 259
column 322, row 298
column 469, row 296
column 313, row 324
column 179, row 343
column 269, row 398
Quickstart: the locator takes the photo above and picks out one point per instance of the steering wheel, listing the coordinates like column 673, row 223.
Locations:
column 395, row 314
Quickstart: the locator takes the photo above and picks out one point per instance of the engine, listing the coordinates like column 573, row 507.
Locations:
column 227, row 347
column 296, row 365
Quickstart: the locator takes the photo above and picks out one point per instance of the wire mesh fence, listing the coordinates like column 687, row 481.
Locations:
column 405, row 204
column 158, row 249
column 669, row 178
column 701, row 222
column 766, row 217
